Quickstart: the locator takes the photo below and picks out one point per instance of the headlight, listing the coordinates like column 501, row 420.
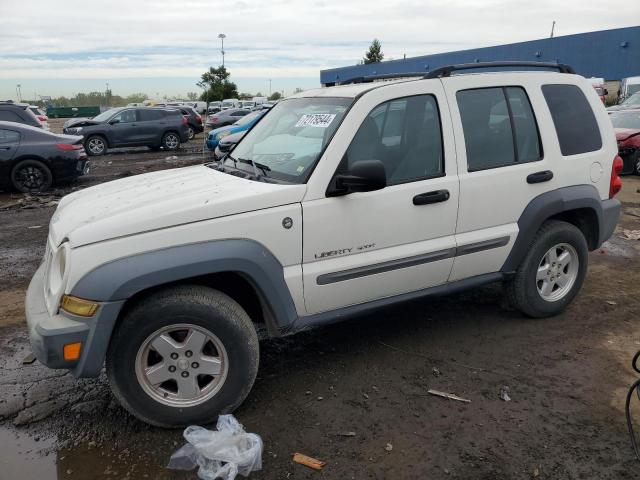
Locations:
column 221, row 135
column 56, row 275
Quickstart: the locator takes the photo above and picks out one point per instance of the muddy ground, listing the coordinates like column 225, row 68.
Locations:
column 567, row 378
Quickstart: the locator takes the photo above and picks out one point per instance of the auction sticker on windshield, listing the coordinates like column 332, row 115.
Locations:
column 320, row 120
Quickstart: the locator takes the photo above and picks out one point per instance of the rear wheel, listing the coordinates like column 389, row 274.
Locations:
column 171, row 141
column 95, row 145
column 552, row 272
column 31, row 176
column 183, row 356
column 191, row 131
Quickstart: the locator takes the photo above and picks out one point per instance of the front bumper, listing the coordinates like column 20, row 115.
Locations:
column 211, row 144
column 49, row 333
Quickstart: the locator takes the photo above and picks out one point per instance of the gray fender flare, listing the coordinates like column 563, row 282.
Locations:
column 557, row 201
column 122, row 278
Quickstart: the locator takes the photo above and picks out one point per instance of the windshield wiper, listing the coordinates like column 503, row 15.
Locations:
column 264, row 168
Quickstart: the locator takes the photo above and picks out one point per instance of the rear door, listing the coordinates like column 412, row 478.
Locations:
column 507, row 155
column 9, row 143
column 151, row 124
column 367, row 246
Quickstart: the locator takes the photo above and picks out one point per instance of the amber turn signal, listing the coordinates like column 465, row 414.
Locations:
column 72, row 351
column 78, row 306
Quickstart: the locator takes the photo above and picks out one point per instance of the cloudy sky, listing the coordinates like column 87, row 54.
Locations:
column 161, row 47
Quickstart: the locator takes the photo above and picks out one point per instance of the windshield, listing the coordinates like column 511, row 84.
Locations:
column 634, row 88
column 625, row 120
column 633, row 100
column 290, row 139
column 248, row 118
column 104, row 116
column 227, row 104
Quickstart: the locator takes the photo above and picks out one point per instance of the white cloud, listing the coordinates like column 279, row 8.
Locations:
column 281, row 38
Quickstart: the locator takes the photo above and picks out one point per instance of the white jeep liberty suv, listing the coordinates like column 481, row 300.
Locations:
column 340, row 200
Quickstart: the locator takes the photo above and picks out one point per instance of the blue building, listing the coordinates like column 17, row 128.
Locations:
column 609, row 54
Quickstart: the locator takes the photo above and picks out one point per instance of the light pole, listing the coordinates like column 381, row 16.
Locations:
column 269, row 87
column 222, row 36
column 19, row 92
column 106, row 95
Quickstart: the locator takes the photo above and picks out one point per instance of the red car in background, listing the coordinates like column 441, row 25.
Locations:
column 626, row 124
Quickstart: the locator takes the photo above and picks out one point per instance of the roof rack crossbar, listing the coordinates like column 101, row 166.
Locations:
column 448, row 70
column 382, row 76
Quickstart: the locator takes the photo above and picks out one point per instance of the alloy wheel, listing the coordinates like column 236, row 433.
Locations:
column 557, row 272
column 30, row 177
column 182, row 365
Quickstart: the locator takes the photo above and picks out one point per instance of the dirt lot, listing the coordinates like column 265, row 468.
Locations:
column 567, row 378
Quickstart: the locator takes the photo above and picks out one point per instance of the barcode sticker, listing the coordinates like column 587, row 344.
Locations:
column 320, row 120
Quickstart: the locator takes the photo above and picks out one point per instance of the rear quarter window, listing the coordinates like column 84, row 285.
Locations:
column 10, row 116
column 573, row 118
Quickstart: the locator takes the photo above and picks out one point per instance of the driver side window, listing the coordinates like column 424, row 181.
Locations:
column 405, row 135
column 127, row 116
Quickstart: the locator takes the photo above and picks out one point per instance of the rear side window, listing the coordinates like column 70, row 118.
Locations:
column 499, row 127
column 149, row 115
column 9, row 116
column 9, row 136
column 573, row 118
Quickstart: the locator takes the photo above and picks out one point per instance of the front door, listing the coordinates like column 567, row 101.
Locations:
column 366, row 246
column 124, row 128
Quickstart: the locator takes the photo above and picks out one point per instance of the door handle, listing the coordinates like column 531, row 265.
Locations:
column 431, row 197
column 540, row 177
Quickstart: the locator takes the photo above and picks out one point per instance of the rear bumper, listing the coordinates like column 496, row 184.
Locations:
column 49, row 334
column 610, row 216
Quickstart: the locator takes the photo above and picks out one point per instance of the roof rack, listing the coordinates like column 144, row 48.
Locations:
column 448, row 70
column 382, row 76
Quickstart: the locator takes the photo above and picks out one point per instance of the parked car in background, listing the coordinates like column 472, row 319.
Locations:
column 38, row 112
column 598, row 85
column 226, row 145
column 194, row 120
column 259, row 100
column 200, row 107
column 230, row 103
column 632, row 102
column 628, row 86
column 226, row 117
column 132, row 127
column 20, row 113
column 248, row 104
column 242, row 125
column 626, row 125
column 214, row 105
column 31, row 158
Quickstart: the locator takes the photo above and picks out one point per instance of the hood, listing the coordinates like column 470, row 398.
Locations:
column 216, row 131
column 79, row 122
column 625, row 133
column 159, row 200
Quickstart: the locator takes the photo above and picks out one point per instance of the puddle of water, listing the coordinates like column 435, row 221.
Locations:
column 22, row 457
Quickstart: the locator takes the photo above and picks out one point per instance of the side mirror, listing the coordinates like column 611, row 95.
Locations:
column 364, row 176
column 114, row 121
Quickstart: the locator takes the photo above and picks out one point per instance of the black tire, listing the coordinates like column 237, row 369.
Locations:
column 171, row 141
column 191, row 132
column 636, row 163
column 195, row 305
column 522, row 290
column 29, row 176
column 95, row 145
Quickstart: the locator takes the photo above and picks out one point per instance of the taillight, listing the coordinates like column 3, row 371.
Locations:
column 67, row 147
column 42, row 118
column 616, row 182
column 199, row 119
column 185, row 119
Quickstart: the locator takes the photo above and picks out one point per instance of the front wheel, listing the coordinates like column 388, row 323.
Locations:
column 171, row 141
column 95, row 145
column 183, row 356
column 552, row 272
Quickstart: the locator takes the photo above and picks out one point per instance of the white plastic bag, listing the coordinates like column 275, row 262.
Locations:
column 219, row 454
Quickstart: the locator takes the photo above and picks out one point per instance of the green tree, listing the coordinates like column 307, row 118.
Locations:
column 275, row 96
column 216, row 85
column 193, row 96
column 374, row 54
column 298, row 90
